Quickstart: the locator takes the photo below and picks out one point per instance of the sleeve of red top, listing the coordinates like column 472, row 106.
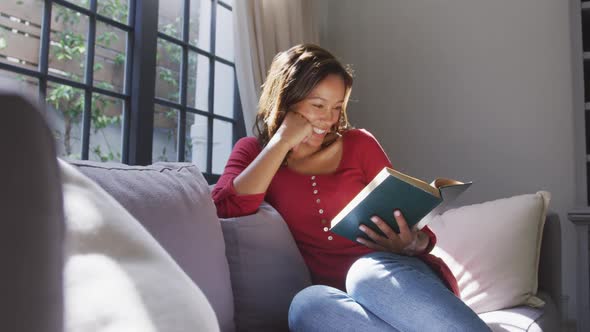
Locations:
column 431, row 237
column 372, row 156
column 227, row 201
column 373, row 159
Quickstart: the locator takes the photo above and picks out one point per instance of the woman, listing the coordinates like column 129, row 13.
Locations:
column 308, row 164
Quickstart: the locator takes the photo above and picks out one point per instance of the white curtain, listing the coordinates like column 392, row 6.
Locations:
column 262, row 28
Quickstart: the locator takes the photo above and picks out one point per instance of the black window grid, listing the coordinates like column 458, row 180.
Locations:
column 87, row 86
column 182, row 106
column 139, row 79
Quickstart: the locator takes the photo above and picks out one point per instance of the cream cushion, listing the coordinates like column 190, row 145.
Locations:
column 493, row 250
column 116, row 275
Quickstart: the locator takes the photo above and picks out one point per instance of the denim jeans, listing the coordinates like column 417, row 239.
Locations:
column 385, row 292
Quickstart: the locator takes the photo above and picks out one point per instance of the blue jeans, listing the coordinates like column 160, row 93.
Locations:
column 386, row 292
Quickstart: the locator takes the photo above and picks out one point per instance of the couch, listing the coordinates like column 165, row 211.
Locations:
column 249, row 287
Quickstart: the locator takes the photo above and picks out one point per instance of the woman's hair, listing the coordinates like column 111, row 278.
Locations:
column 292, row 76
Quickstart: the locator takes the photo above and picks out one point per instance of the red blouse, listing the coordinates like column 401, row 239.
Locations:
column 309, row 202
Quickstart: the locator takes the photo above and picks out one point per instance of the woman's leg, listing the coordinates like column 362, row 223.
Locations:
column 324, row 309
column 404, row 292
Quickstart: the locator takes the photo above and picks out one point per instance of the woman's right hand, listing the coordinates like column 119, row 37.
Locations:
column 294, row 130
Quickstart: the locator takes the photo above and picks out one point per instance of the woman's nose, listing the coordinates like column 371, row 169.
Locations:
column 325, row 115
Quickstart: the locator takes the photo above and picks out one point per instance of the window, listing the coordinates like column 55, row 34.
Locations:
column 119, row 94
column 196, row 103
column 74, row 53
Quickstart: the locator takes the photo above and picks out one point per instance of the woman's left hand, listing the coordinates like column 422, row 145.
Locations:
column 407, row 242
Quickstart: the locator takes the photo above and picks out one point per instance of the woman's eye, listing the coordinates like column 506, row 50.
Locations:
column 339, row 108
column 318, row 106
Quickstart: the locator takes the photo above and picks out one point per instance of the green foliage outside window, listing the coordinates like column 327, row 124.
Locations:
column 71, row 46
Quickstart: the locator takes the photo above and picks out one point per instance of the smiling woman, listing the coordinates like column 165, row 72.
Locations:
column 307, row 162
column 295, row 77
column 322, row 109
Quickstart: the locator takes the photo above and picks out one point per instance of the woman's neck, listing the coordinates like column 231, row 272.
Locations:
column 303, row 152
column 317, row 160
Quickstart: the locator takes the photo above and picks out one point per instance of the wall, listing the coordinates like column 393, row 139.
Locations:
column 478, row 90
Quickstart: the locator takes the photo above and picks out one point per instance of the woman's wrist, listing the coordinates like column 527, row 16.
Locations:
column 418, row 245
column 279, row 144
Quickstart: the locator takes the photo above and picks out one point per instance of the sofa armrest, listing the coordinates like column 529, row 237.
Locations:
column 32, row 219
column 550, row 259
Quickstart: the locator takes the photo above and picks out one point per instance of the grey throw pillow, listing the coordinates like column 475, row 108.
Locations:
column 266, row 268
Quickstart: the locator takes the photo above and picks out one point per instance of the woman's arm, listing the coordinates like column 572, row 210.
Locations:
column 227, row 201
column 257, row 176
column 373, row 158
column 249, row 171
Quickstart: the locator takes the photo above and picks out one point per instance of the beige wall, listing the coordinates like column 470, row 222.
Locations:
column 478, row 90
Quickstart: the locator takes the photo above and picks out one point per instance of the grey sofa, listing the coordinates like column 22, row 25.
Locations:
column 263, row 275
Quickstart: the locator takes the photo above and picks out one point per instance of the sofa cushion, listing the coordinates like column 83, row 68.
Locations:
column 266, row 267
column 493, row 250
column 172, row 201
column 116, row 275
column 524, row 318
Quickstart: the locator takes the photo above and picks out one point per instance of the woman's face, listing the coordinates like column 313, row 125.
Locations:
column 322, row 107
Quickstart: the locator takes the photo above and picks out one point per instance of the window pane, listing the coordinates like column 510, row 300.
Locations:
column 20, row 31
column 222, row 143
column 109, row 57
column 200, row 24
column 224, row 34
column 67, row 53
column 196, row 140
column 165, row 133
column 117, row 10
column 170, row 15
column 224, row 90
column 198, row 81
column 67, row 105
column 105, row 133
column 30, row 85
column 81, row 3
column 168, row 70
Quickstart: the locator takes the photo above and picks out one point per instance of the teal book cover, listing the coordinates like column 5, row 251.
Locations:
column 389, row 190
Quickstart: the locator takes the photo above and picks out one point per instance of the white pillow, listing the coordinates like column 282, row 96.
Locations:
column 493, row 250
column 116, row 275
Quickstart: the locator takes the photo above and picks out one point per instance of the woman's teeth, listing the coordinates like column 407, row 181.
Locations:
column 318, row 131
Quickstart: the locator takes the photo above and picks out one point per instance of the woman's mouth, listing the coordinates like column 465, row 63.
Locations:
column 319, row 131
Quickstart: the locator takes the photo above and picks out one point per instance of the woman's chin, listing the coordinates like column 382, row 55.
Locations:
column 316, row 140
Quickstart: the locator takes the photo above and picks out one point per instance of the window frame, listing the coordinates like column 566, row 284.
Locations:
column 237, row 120
column 87, row 85
column 138, row 95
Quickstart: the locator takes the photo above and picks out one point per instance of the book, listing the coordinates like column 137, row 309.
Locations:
column 418, row 201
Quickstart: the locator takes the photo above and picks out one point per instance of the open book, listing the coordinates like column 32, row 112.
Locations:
column 418, row 201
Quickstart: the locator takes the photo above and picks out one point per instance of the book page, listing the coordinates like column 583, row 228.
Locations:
column 415, row 182
column 449, row 192
column 442, row 182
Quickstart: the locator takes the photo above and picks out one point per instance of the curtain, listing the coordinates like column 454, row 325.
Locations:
column 262, row 28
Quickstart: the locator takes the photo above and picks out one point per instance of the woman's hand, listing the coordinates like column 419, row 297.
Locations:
column 294, row 130
column 407, row 242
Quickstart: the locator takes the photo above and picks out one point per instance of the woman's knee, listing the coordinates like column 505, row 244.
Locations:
column 380, row 270
column 366, row 271
column 307, row 304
